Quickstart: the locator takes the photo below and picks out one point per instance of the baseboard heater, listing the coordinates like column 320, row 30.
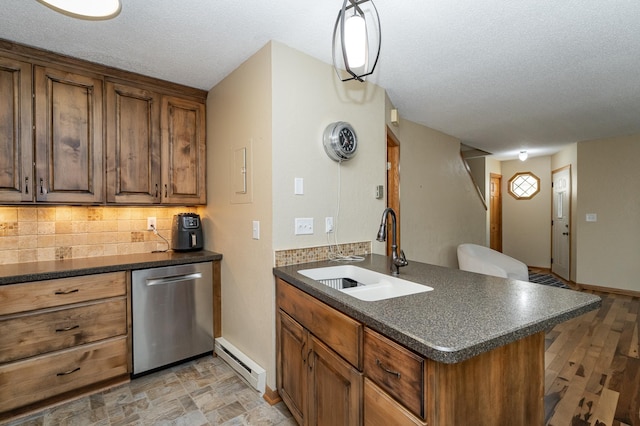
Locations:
column 242, row 364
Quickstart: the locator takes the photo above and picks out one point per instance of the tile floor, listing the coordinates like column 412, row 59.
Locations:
column 205, row 391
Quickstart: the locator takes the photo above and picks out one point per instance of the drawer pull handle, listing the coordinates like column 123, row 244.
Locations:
column 386, row 370
column 73, row 327
column 75, row 290
column 66, row 373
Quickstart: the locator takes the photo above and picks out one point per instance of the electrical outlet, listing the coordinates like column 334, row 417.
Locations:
column 328, row 224
column 151, row 223
column 304, row 226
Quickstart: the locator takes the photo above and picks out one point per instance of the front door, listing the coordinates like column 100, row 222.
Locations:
column 560, row 223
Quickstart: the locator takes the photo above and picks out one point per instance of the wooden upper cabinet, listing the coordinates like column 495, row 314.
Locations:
column 69, row 154
column 133, row 145
column 183, row 151
column 16, row 149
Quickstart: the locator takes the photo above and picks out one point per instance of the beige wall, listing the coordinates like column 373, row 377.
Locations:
column 439, row 205
column 608, row 250
column 307, row 97
column 526, row 225
column 239, row 115
column 278, row 103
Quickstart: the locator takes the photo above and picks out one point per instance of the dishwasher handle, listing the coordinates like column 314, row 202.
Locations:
column 174, row 279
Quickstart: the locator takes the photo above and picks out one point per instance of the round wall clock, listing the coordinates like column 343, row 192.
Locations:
column 340, row 141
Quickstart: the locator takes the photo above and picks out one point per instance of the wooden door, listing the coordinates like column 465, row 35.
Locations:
column 291, row 363
column 393, row 185
column 335, row 388
column 183, row 151
column 69, row 154
column 133, row 145
column 16, row 145
column 495, row 213
column 561, row 223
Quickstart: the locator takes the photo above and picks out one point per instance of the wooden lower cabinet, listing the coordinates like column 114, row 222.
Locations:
column 318, row 386
column 334, row 388
column 37, row 379
column 393, row 385
column 62, row 338
column 380, row 409
column 292, row 371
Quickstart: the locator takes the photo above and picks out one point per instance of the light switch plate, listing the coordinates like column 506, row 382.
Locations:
column 592, row 217
column 256, row 229
column 298, row 186
column 304, row 226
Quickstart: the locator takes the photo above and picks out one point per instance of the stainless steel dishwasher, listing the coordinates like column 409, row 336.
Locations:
column 172, row 310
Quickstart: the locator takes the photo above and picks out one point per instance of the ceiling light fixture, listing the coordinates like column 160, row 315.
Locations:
column 356, row 36
column 85, row 9
column 523, row 155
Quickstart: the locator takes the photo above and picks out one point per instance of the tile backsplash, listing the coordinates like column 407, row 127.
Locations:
column 320, row 253
column 35, row 233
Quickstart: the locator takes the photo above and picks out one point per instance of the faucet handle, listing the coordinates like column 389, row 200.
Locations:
column 403, row 259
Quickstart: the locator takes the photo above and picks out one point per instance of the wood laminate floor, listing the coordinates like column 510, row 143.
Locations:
column 592, row 375
column 592, row 379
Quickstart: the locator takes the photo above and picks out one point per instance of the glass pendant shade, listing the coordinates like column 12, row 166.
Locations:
column 356, row 39
column 85, row 9
column 523, row 155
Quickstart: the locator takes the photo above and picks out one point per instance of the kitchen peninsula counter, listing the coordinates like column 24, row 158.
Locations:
column 465, row 315
column 38, row 271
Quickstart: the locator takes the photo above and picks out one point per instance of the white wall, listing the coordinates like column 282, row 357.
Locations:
column 608, row 250
column 526, row 224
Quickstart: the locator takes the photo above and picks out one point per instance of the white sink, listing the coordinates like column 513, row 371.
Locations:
column 363, row 283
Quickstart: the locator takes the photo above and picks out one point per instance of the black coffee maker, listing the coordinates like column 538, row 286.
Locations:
column 186, row 232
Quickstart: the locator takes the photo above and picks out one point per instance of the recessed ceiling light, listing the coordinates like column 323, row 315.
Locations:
column 85, row 9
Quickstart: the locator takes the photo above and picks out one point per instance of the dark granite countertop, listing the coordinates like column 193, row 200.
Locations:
column 36, row 271
column 465, row 315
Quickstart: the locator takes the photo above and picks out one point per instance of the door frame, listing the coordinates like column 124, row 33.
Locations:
column 393, row 183
column 495, row 214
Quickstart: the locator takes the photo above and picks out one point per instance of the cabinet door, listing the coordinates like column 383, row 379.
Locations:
column 69, row 154
column 183, row 151
column 133, row 145
column 16, row 146
column 292, row 374
column 335, row 388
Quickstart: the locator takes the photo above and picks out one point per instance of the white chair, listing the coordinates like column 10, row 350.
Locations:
column 476, row 258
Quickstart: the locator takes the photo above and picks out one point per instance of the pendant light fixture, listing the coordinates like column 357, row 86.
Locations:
column 523, row 155
column 85, row 9
column 356, row 38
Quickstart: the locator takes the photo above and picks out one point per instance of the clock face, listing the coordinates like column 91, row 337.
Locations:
column 340, row 141
column 347, row 140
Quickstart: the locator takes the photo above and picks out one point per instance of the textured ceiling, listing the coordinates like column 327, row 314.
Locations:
column 500, row 75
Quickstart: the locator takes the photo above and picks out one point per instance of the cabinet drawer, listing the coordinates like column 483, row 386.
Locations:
column 31, row 296
column 36, row 379
column 33, row 334
column 382, row 410
column 395, row 369
column 340, row 332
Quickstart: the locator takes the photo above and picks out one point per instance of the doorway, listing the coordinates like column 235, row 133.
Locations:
column 393, row 183
column 495, row 212
column 561, row 223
